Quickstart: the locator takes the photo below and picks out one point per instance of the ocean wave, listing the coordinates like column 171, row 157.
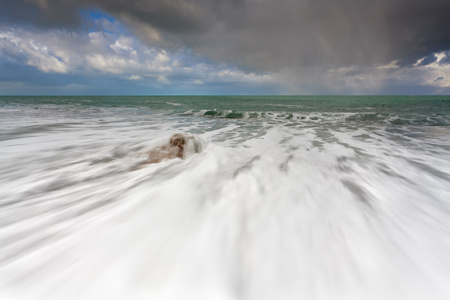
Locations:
column 315, row 117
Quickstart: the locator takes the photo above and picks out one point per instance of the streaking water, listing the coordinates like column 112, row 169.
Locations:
column 290, row 198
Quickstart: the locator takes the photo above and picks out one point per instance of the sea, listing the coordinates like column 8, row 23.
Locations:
column 276, row 197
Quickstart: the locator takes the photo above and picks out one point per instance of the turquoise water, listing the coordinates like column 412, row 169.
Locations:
column 299, row 197
column 426, row 110
column 382, row 104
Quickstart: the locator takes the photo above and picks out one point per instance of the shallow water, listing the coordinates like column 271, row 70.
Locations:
column 290, row 198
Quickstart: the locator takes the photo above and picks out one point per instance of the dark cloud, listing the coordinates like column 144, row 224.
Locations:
column 268, row 34
column 43, row 13
column 171, row 16
column 283, row 34
column 178, row 16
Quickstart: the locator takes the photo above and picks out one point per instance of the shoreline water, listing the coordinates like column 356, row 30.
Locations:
column 290, row 198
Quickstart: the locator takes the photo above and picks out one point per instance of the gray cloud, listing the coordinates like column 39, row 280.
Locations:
column 268, row 35
column 281, row 34
column 171, row 16
column 42, row 13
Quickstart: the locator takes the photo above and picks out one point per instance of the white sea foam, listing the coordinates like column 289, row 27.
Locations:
column 174, row 104
column 259, row 209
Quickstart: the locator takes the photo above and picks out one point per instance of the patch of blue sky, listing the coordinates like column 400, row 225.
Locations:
column 95, row 20
column 96, row 14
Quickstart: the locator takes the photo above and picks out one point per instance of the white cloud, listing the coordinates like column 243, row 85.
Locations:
column 176, row 63
column 240, row 76
column 163, row 79
column 369, row 80
column 440, row 56
column 119, row 55
column 134, row 77
column 392, row 65
column 342, row 71
column 436, row 74
column 112, row 64
column 36, row 54
column 61, row 52
column 162, row 57
column 123, row 44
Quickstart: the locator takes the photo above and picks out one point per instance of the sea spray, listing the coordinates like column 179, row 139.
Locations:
column 323, row 198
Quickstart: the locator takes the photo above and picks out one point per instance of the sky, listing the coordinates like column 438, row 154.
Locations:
column 237, row 47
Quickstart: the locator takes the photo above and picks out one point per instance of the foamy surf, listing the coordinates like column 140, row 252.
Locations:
column 263, row 208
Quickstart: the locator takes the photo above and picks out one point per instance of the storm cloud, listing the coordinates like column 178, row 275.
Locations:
column 267, row 35
column 293, row 46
